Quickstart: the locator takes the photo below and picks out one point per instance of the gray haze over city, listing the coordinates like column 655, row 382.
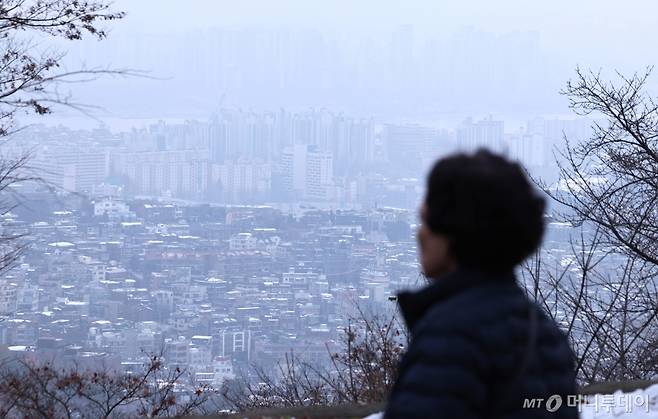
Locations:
column 438, row 61
column 260, row 180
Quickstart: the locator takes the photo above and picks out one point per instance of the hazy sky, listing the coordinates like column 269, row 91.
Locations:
column 573, row 25
column 598, row 34
column 556, row 19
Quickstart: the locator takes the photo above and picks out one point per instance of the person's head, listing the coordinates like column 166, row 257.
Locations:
column 480, row 213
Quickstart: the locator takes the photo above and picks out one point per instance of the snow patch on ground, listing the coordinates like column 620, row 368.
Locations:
column 639, row 404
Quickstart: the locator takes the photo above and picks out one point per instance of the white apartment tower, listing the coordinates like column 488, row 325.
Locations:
column 307, row 172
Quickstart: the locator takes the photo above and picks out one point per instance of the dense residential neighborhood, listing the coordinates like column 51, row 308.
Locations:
column 134, row 251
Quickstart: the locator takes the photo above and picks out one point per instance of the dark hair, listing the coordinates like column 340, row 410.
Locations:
column 487, row 208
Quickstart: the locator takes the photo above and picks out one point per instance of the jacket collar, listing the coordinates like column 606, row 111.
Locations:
column 414, row 304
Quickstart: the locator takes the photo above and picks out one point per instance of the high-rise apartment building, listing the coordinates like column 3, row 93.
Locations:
column 486, row 133
column 71, row 169
column 235, row 181
column 307, row 172
column 181, row 173
column 411, row 146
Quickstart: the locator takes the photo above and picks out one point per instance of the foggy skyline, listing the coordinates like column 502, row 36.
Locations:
column 506, row 58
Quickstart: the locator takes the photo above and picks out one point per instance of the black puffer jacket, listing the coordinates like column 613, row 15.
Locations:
column 478, row 349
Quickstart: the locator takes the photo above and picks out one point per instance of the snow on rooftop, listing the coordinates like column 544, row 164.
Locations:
column 61, row 244
column 62, row 213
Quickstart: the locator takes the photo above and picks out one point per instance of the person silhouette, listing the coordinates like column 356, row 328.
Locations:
column 479, row 347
